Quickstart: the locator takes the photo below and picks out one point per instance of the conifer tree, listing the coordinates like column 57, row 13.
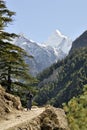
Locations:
column 5, row 19
column 13, row 69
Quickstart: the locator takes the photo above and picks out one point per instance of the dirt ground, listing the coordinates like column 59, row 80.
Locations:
column 18, row 117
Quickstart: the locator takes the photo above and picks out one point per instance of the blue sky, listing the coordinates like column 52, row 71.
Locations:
column 38, row 19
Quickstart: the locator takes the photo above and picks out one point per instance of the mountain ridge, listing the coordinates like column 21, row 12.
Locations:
column 80, row 42
column 63, row 80
column 44, row 54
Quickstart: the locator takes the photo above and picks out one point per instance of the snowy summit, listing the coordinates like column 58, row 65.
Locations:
column 59, row 41
column 56, row 47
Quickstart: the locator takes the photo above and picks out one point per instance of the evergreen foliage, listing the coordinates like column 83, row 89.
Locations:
column 14, row 72
column 13, row 69
column 64, row 79
column 5, row 19
column 76, row 111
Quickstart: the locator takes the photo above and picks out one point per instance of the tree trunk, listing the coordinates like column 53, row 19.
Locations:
column 9, row 79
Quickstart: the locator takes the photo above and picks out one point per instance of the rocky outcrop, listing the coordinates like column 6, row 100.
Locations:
column 8, row 102
column 50, row 119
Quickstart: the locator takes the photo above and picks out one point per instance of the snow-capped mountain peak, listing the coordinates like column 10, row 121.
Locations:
column 57, row 47
column 59, row 41
column 59, row 34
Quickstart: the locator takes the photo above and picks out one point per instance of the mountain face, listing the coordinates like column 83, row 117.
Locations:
column 80, row 42
column 56, row 48
column 59, row 41
column 63, row 80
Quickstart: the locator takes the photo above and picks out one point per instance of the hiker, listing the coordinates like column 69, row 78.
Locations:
column 29, row 98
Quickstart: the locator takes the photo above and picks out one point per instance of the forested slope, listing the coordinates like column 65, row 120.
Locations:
column 63, row 80
column 76, row 111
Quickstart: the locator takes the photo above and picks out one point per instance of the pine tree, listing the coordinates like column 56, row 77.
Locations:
column 13, row 69
column 5, row 19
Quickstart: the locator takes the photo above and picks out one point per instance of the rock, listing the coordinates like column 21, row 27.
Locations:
column 8, row 102
column 15, row 100
column 53, row 119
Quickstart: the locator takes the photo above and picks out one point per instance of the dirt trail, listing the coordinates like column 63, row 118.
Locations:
column 19, row 117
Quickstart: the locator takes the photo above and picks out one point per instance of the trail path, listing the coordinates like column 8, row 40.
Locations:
column 19, row 117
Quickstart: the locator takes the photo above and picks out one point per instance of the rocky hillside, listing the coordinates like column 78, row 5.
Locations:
column 8, row 103
column 12, row 117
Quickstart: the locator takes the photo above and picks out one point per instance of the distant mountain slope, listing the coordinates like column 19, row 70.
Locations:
column 44, row 54
column 63, row 80
column 81, row 41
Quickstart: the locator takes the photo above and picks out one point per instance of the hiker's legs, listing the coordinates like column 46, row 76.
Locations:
column 29, row 104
